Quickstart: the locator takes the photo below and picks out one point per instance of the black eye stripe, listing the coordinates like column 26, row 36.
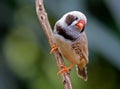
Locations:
column 69, row 19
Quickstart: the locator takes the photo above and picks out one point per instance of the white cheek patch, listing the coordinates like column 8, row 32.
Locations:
column 73, row 23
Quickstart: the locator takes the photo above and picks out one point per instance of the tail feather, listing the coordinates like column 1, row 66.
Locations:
column 82, row 73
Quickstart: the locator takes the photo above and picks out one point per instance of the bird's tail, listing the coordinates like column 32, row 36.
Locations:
column 82, row 72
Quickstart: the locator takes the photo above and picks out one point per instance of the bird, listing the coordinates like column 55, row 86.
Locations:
column 71, row 41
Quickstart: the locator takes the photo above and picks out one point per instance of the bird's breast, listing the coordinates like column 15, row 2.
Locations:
column 66, row 49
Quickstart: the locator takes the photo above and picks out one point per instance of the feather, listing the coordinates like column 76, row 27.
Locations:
column 81, row 48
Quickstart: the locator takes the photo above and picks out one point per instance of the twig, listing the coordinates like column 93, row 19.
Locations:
column 42, row 16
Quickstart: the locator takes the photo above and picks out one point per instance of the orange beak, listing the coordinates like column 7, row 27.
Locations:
column 81, row 24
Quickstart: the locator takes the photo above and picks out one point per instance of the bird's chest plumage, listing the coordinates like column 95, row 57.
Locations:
column 67, row 50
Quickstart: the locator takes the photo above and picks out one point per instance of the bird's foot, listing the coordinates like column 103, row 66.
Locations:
column 65, row 69
column 54, row 47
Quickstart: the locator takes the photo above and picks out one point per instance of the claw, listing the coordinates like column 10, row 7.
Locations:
column 63, row 66
column 54, row 47
column 65, row 69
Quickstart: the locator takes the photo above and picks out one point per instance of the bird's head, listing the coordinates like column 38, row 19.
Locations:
column 71, row 24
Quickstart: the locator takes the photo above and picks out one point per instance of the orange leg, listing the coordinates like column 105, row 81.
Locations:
column 54, row 47
column 65, row 69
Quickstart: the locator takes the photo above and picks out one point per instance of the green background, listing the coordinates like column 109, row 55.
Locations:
column 25, row 62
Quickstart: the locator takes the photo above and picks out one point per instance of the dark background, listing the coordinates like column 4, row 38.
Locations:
column 25, row 62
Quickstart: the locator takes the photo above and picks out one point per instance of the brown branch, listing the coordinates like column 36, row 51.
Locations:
column 42, row 16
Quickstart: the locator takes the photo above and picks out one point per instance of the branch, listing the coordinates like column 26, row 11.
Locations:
column 43, row 18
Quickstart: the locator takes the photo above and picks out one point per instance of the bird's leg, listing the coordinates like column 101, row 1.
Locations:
column 54, row 47
column 65, row 69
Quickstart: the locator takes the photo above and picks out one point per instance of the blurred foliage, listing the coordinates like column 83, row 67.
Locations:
column 25, row 62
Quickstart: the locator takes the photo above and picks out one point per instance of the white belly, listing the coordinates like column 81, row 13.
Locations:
column 66, row 49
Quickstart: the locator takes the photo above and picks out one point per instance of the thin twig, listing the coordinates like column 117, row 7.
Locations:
column 43, row 18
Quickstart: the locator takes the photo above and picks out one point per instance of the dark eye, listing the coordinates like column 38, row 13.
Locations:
column 76, row 18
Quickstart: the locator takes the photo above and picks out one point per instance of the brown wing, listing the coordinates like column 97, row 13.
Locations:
column 81, row 47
